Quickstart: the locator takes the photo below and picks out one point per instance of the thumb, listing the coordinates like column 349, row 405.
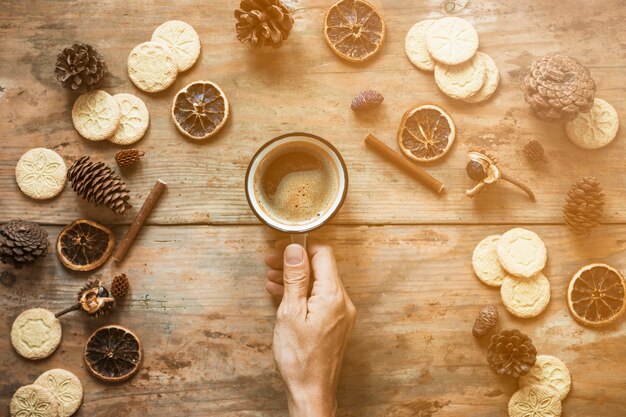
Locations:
column 295, row 274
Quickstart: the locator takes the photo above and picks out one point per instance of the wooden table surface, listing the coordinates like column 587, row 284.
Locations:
column 198, row 301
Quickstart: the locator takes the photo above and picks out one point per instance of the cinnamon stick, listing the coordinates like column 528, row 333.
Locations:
column 413, row 170
column 139, row 220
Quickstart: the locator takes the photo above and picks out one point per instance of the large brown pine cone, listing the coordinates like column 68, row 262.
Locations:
column 263, row 22
column 22, row 243
column 558, row 88
column 79, row 67
column 584, row 206
column 511, row 353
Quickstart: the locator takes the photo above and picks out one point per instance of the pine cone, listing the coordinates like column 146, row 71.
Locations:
column 128, row 157
column 120, row 286
column 98, row 184
column 584, row 206
column 263, row 22
column 79, row 67
column 558, row 88
column 511, row 353
column 534, row 151
column 367, row 100
column 485, row 320
column 22, row 243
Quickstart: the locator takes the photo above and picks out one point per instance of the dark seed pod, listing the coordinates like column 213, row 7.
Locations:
column 475, row 171
column 367, row 100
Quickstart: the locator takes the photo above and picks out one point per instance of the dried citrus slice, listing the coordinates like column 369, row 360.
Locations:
column 354, row 29
column 200, row 110
column 84, row 245
column 426, row 133
column 595, row 295
column 113, row 353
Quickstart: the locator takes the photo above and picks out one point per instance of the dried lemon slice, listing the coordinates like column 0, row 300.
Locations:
column 200, row 110
column 426, row 133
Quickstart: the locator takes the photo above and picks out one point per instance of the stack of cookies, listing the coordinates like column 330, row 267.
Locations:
column 514, row 262
column 56, row 393
column 449, row 47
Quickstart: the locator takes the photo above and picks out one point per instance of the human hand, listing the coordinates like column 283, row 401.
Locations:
column 311, row 332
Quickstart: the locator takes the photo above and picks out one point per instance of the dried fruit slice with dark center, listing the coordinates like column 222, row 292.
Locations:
column 84, row 245
column 595, row 295
column 354, row 29
column 426, row 133
column 200, row 110
column 113, row 353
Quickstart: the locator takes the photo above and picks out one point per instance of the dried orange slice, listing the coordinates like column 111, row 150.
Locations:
column 113, row 353
column 426, row 133
column 200, row 110
column 84, row 245
column 595, row 295
column 354, row 29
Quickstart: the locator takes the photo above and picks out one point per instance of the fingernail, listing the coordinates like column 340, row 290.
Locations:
column 293, row 255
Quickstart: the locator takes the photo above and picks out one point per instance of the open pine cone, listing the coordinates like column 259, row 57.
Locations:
column 79, row 67
column 511, row 353
column 22, row 242
column 584, row 206
column 263, row 22
column 558, row 88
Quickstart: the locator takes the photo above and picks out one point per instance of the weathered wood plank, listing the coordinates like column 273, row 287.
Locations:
column 199, row 306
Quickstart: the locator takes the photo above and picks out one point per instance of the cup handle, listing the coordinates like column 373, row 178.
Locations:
column 300, row 239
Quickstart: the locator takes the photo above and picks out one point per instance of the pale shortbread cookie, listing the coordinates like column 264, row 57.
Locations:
column 152, row 66
column 535, row 401
column 66, row 388
column 550, row 372
column 462, row 80
column 492, row 79
column 96, row 115
column 415, row 46
column 525, row 297
column 134, row 122
column 595, row 129
column 486, row 264
column 182, row 39
column 40, row 173
column 33, row 401
column 36, row 333
column 452, row 40
column 522, row 253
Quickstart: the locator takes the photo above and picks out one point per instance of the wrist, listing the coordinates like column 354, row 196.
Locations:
column 309, row 403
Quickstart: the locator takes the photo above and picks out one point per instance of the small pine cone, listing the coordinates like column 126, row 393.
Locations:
column 22, row 243
column 485, row 320
column 128, row 157
column 511, row 353
column 79, row 67
column 263, row 22
column 99, row 185
column 367, row 100
column 120, row 286
column 534, row 151
column 584, row 206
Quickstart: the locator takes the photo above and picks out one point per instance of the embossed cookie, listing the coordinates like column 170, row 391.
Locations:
column 462, row 80
column 182, row 39
column 40, row 173
column 595, row 129
column 452, row 40
column 525, row 297
column 134, row 122
column 96, row 115
column 550, row 372
column 535, row 401
column 33, row 401
column 65, row 387
column 492, row 79
column 36, row 333
column 152, row 66
column 415, row 46
column 486, row 264
column 522, row 253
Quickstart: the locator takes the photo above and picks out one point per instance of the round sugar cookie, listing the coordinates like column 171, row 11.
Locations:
column 462, row 80
column 595, row 129
column 486, row 264
column 415, row 46
column 36, row 333
column 452, row 40
column 33, row 401
column 492, row 79
column 134, row 122
column 65, row 387
column 522, row 253
column 525, row 297
column 40, row 173
column 550, row 372
column 182, row 39
column 535, row 401
column 96, row 115
column 152, row 66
